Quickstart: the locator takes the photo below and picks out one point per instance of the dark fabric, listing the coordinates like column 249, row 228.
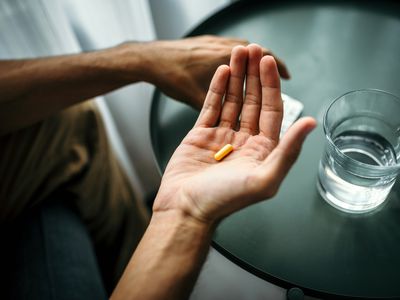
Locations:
column 70, row 151
column 48, row 254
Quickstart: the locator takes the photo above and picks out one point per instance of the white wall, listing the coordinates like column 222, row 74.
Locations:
column 174, row 18
column 105, row 23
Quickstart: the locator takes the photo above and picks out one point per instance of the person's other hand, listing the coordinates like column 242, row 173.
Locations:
column 182, row 69
column 199, row 186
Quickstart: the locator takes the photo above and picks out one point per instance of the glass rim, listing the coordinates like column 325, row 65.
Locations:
column 344, row 155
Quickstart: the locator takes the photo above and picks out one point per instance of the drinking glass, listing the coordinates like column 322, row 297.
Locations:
column 362, row 150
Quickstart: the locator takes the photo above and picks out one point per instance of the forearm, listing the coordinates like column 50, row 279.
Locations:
column 168, row 259
column 33, row 89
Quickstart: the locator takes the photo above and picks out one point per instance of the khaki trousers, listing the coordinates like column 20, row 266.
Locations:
column 69, row 152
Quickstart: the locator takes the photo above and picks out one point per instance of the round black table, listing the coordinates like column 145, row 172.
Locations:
column 296, row 239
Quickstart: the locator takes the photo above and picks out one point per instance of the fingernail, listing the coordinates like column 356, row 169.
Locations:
column 286, row 70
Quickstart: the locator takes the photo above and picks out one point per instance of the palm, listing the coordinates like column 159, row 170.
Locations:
column 194, row 165
column 254, row 170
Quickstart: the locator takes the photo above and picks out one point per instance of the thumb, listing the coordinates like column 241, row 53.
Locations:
column 282, row 158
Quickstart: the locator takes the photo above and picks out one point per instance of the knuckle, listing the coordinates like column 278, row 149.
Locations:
column 272, row 108
column 245, row 124
column 232, row 97
column 252, row 99
column 215, row 90
column 292, row 154
column 209, row 105
column 226, row 123
column 271, row 192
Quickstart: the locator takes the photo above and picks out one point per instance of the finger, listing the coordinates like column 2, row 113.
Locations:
column 252, row 102
column 237, row 41
column 234, row 95
column 228, row 40
column 282, row 158
column 211, row 110
column 271, row 107
column 198, row 101
column 282, row 68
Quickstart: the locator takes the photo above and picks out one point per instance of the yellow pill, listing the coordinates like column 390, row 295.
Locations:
column 223, row 152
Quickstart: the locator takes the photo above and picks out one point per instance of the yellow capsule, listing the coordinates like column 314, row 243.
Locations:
column 223, row 152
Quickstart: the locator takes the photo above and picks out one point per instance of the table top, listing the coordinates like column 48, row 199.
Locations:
column 296, row 239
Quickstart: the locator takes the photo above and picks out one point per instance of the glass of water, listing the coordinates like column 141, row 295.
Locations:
column 362, row 150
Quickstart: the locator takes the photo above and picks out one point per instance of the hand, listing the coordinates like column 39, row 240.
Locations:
column 194, row 182
column 182, row 69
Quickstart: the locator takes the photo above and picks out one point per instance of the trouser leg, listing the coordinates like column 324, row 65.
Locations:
column 48, row 254
column 70, row 150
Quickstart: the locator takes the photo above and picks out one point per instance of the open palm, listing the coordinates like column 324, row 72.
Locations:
column 209, row 190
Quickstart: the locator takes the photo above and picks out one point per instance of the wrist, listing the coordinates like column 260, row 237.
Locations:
column 132, row 61
column 181, row 203
column 155, row 61
column 179, row 220
column 170, row 255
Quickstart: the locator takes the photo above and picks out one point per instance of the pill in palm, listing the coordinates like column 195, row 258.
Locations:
column 224, row 151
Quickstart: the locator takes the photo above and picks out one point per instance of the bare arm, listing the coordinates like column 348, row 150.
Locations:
column 32, row 89
column 196, row 191
column 168, row 259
